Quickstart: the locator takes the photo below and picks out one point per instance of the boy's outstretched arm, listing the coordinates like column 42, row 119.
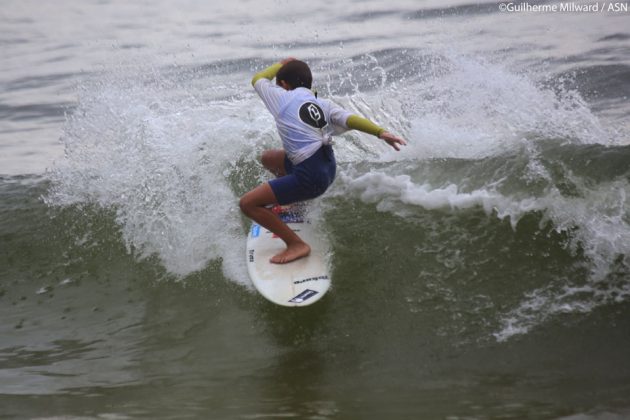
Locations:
column 271, row 71
column 268, row 73
column 354, row 122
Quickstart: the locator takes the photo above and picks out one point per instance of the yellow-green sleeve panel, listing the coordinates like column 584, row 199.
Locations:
column 268, row 73
column 355, row 122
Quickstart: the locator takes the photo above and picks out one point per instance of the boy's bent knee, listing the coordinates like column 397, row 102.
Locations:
column 258, row 197
column 264, row 158
column 273, row 161
column 267, row 159
column 245, row 204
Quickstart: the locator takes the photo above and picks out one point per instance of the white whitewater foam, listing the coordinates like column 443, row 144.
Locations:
column 390, row 191
column 472, row 108
column 160, row 154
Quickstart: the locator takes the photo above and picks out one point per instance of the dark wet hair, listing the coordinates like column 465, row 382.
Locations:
column 296, row 73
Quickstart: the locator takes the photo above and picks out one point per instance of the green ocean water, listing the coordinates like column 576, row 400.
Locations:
column 481, row 273
column 431, row 315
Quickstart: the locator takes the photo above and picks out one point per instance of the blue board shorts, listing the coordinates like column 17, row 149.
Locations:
column 306, row 180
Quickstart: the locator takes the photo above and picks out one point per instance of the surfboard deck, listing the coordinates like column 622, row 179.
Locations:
column 299, row 283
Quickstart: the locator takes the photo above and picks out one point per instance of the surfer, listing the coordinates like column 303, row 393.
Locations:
column 305, row 167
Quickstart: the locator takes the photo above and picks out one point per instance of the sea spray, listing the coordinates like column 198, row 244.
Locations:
column 161, row 155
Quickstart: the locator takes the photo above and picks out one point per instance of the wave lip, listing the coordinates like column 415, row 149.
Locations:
column 143, row 144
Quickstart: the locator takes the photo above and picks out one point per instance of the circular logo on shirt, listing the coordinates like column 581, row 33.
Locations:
column 313, row 115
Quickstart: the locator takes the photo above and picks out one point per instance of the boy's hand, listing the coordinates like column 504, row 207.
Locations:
column 392, row 140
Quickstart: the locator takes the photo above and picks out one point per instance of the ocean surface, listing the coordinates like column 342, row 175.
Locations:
column 483, row 272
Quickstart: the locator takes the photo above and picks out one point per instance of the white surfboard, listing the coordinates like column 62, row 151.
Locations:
column 298, row 283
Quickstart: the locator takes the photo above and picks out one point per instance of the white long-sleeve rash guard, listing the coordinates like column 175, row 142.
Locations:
column 304, row 122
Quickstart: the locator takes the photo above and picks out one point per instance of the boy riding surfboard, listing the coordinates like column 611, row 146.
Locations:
column 305, row 166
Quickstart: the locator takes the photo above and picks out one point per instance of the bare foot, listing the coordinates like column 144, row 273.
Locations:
column 292, row 253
